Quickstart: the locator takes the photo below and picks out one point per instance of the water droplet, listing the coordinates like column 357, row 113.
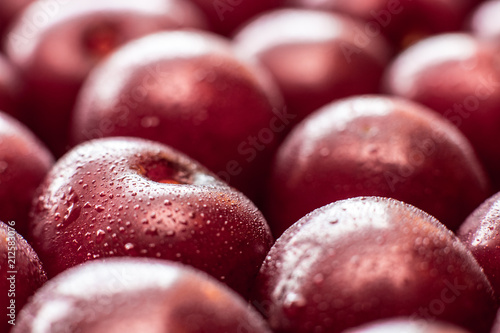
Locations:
column 167, row 202
column 129, row 246
column 293, row 302
column 100, row 235
column 99, row 208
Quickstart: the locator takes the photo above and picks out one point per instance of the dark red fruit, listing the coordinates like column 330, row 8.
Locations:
column 55, row 47
column 132, row 197
column 376, row 145
column 402, row 21
column 458, row 76
column 369, row 258
column 187, row 90
column 10, row 85
column 24, row 162
column 226, row 15
column 21, row 274
column 321, row 60
column 137, row 295
column 480, row 233
column 406, row 325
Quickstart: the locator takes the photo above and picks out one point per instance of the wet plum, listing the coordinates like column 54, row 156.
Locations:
column 458, row 76
column 133, row 197
column 21, row 274
column 376, row 145
column 55, row 45
column 129, row 295
column 368, row 258
column 480, row 233
column 187, row 90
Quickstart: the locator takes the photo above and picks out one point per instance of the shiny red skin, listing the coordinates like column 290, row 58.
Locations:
column 24, row 162
column 225, row 16
column 138, row 295
column 406, row 325
column 187, row 90
column 56, row 56
column 26, row 269
column 457, row 76
column 484, row 21
column 10, row 87
column 9, row 10
column 375, row 145
column 321, row 61
column 480, row 233
column 402, row 21
column 105, row 199
column 369, row 258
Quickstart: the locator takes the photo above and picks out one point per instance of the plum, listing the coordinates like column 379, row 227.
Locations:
column 375, row 145
column 126, row 295
column 480, row 233
column 24, row 162
column 56, row 43
column 314, row 57
column 21, row 274
column 188, row 90
column 369, row 258
column 458, row 76
column 134, row 197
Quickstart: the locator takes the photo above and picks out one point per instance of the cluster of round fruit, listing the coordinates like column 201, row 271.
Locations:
column 249, row 166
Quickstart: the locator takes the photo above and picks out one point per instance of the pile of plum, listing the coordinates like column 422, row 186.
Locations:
column 213, row 166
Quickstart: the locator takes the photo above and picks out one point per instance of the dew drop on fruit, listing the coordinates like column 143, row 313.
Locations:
column 129, row 246
column 100, row 235
column 293, row 302
column 99, row 208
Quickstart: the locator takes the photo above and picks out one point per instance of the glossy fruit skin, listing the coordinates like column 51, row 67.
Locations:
column 128, row 295
column 326, row 59
column 187, row 90
column 402, row 22
column 21, row 274
column 105, row 199
column 406, row 325
column 375, row 145
column 480, row 233
column 458, row 76
column 56, row 55
column 484, row 20
column 368, row 258
column 227, row 15
column 10, row 88
column 24, row 162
